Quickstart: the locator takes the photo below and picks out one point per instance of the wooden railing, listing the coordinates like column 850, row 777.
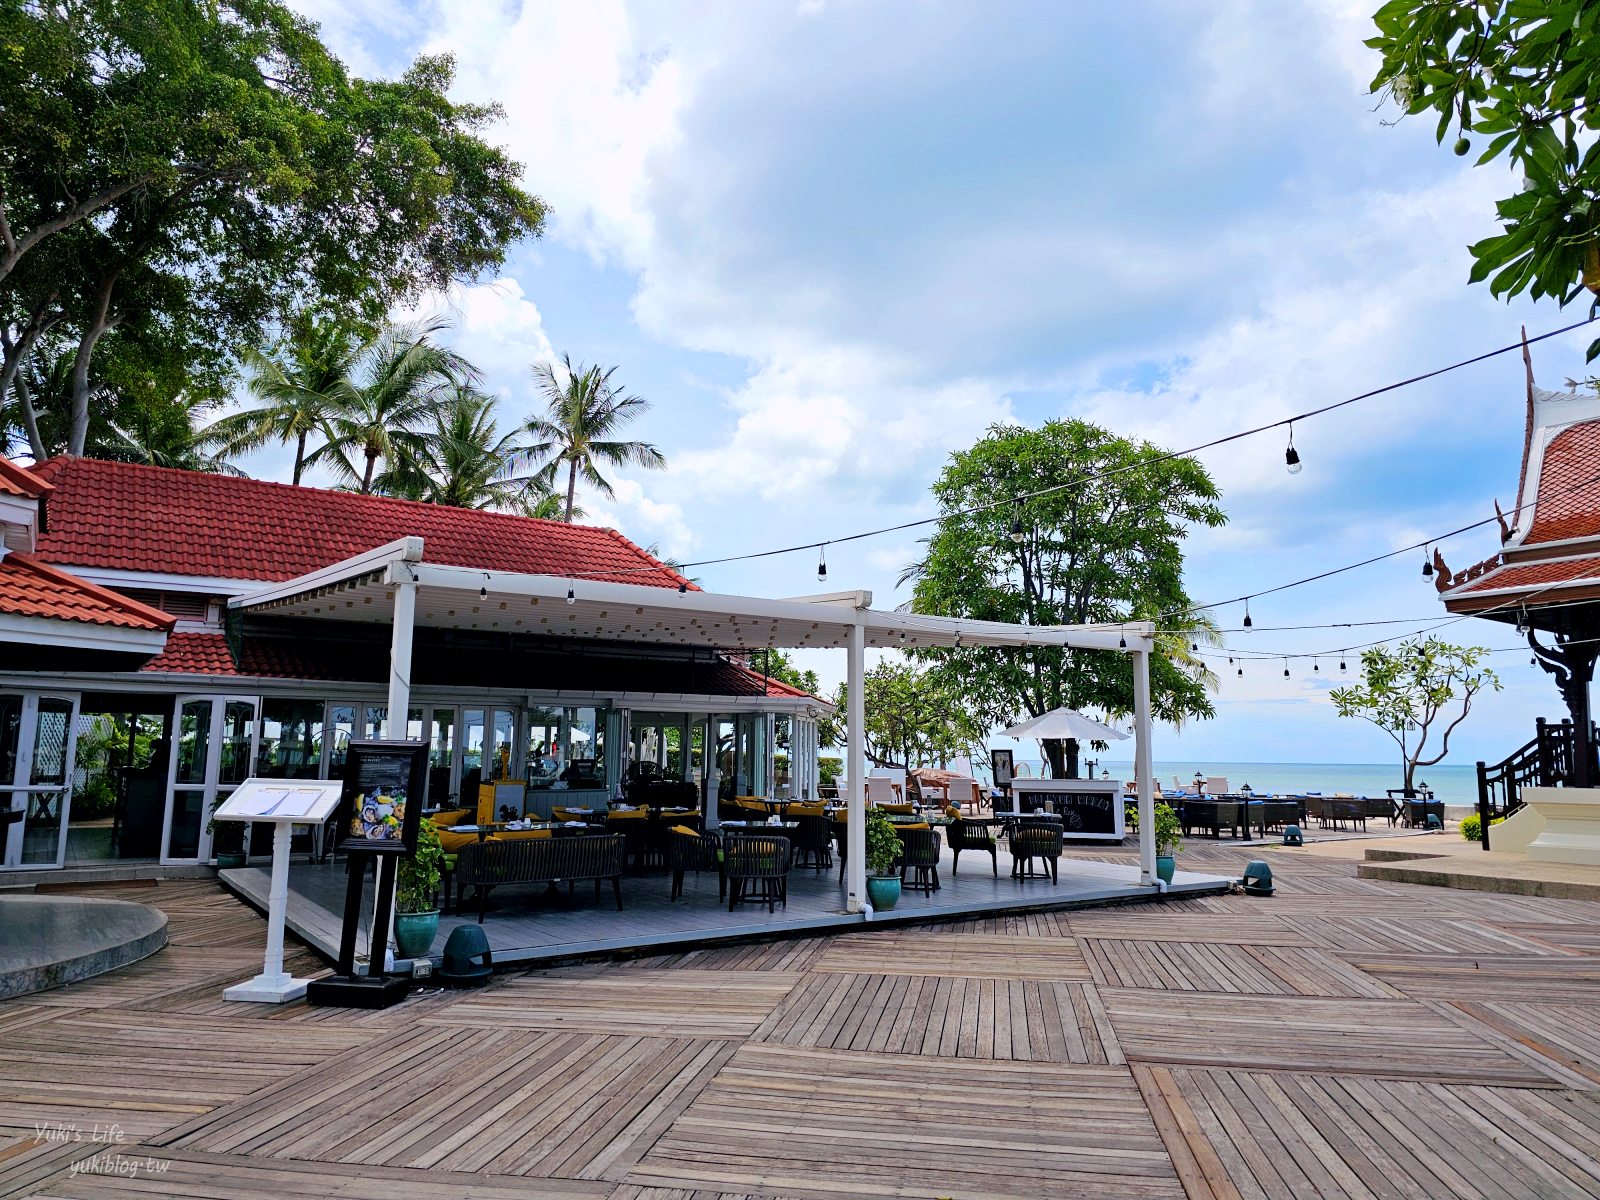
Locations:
column 1546, row 761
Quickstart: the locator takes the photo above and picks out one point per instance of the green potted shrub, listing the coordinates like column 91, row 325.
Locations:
column 1169, row 840
column 883, row 857
column 227, row 839
column 416, row 899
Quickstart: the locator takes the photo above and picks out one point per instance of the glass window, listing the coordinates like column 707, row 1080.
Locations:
column 504, row 737
column 194, row 741
column 472, row 741
column 783, row 757
column 541, row 740
column 341, row 728
column 238, row 722
column 291, row 739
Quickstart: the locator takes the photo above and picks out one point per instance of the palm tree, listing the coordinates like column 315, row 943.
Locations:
column 582, row 412
column 406, row 376
column 459, row 461
column 301, row 382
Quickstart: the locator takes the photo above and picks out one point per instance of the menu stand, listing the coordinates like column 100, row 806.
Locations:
column 283, row 805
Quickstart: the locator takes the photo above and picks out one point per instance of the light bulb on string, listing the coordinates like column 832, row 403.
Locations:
column 1427, row 564
column 1241, row 672
column 902, row 637
column 1017, row 532
column 572, row 597
column 822, row 564
column 1122, row 643
column 958, row 639
column 1341, row 664
column 683, row 587
column 483, row 592
column 1315, row 667
column 1291, row 456
column 1286, row 668
column 1247, row 621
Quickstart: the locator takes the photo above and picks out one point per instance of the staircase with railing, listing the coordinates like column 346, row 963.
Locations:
column 1546, row 761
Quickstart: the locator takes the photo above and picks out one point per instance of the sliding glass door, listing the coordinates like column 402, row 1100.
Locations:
column 38, row 739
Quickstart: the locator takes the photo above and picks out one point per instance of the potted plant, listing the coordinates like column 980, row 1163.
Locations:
column 1169, row 840
column 416, row 921
column 883, row 855
column 227, row 840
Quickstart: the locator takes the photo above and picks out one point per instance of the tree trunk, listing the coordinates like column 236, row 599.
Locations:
column 1062, row 755
column 100, row 321
column 30, row 421
column 1411, row 774
column 40, row 321
column 299, row 457
column 372, row 462
column 572, row 488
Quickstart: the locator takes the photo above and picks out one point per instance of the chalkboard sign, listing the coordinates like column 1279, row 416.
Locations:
column 1095, row 814
column 1000, row 764
column 385, row 787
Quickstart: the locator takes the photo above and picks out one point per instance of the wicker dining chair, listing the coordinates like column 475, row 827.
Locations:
column 972, row 837
column 919, row 857
column 813, row 843
column 1035, row 841
column 694, row 852
column 757, row 868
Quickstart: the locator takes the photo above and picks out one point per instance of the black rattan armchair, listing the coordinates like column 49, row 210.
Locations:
column 757, row 869
column 965, row 836
column 813, row 843
column 919, row 857
column 694, row 852
column 1039, row 841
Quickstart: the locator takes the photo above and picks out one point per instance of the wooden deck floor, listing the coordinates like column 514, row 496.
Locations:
column 1347, row 1037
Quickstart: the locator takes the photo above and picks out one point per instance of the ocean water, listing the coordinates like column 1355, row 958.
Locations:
column 1454, row 784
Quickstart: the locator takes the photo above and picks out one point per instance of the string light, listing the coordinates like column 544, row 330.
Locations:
column 1291, row 456
column 1247, row 621
column 1122, row 643
column 572, row 597
column 483, row 593
column 1017, row 534
column 1341, row 664
column 1427, row 564
column 822, row 563
column 1286, row 668
column 1315, row 667
column 683, row 587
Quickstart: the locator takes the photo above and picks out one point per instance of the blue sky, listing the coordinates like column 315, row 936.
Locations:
column 832, row 241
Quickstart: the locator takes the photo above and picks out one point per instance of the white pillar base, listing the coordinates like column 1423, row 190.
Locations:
column 267, row 989
column 1571, row 831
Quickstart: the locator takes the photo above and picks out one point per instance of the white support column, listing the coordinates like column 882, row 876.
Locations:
column 855, row 767
column 405, row 619
column 1143, row 767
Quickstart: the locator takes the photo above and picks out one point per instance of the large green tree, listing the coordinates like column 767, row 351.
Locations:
column 1406, row 690
column 1519, row 75
column 1067, row 524
column 204, row 168
column 577, row 432
column 915, row 717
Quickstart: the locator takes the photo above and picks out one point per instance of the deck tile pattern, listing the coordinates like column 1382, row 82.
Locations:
column 1346, row 1037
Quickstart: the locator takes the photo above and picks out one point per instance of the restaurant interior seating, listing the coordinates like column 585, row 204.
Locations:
column 757, row 867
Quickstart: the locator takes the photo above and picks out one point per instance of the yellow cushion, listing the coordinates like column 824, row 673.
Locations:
column 454, row 843
column 638, row 814
column 454, row 816
column 805, row 810
column 524, row 835
column 954, row 811
column 898, row 810
column 913, row 825
column 685, row 829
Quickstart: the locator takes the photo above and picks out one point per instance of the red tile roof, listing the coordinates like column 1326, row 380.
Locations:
column 1569, row 487
column 194, row 654
column 19, row 481
column 30, row 588
column 1536, row 574
column 138, row 518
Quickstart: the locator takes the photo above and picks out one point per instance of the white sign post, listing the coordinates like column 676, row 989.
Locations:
column 285, row 804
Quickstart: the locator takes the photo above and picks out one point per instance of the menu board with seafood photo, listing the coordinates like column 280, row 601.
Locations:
column 381, row 807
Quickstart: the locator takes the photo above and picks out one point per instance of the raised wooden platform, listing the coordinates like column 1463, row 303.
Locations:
column 1347, row 1037
column 532, row 925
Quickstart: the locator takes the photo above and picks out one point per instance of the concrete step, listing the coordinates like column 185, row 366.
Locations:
column 56, row 940
column 1390, row 855
column 1490, row 871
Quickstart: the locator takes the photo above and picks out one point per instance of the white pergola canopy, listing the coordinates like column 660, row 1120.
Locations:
column 364, row 589
column 393, row 585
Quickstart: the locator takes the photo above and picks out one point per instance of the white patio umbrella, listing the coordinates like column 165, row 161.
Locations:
column 1065, row 723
